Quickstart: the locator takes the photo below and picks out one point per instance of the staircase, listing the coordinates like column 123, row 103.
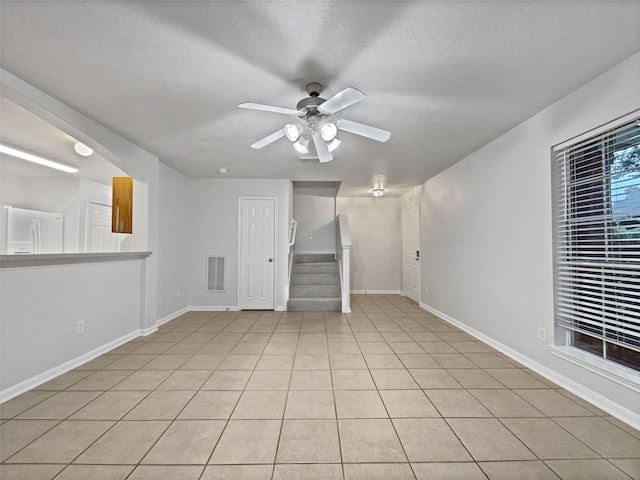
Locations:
column 315, row 284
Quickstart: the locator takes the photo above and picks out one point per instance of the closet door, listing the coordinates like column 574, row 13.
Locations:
column 257, row 254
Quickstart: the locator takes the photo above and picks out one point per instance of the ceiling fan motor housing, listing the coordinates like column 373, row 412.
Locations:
column 310, row 105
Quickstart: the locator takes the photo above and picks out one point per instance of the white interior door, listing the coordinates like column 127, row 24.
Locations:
column 411, row 251
column 257, row 259
column 100, row 238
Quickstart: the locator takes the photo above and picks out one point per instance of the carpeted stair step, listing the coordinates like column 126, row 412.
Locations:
column 315, row 284
column 313, row 257
column 314, row 305
column 308, row 291
column 315, row 267
column 315, row 279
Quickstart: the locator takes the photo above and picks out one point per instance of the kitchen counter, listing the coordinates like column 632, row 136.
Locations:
column 49, row 259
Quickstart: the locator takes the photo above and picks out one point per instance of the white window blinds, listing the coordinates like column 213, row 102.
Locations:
column 597, row 236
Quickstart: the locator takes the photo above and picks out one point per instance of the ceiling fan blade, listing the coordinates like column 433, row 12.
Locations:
column 269, row 108
column 324, row 155
column 270, row 139
column 340, row 100
column 364, row 130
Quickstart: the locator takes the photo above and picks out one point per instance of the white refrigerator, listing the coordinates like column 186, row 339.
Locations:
column 32, row 231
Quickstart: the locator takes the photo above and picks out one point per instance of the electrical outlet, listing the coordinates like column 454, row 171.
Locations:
column 426, row 289
column 542, row 334
column 80, row 327
column 178, row 293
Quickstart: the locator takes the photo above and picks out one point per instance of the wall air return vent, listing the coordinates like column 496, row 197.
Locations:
column 216, row 274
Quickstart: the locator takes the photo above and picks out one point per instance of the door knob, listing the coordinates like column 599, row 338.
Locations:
column 270, row 260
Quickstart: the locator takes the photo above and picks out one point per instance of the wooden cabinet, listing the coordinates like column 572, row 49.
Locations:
column 122, row 206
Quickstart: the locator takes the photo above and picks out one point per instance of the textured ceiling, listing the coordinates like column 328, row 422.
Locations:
column 444, row 77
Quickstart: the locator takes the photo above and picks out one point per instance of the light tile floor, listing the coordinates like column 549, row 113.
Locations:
column 386, row 392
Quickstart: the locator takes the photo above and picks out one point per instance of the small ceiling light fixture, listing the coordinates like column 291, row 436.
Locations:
column 292, row 131
column 31, row 157
column 82, row 150
column 222, row 170
column 378, row 191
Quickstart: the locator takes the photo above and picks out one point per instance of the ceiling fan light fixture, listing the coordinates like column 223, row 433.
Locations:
column 328, row 131
column 333, row 144
column 315, row 121
column 302, row 145
column 292, row 131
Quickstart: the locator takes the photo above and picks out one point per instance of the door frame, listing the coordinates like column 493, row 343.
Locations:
column 275, row 245
column 404, row 263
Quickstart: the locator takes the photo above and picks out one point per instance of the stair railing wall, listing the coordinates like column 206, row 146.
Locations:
column 343, row 247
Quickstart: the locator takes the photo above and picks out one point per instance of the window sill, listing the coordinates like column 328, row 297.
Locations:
column 616, row 373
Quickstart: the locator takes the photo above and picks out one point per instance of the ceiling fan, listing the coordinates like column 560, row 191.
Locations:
column 315, row 122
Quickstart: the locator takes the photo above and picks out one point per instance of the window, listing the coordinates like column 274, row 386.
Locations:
column 597, row 243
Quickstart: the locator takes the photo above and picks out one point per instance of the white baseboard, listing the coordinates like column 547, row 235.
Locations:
column 376, row 292
column 37, row 380
column 207, row 308
column 280, row 309
column 171, row 316
column 148, row 331
column 622, row 413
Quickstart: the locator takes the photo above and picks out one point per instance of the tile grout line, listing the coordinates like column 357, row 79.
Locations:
column 217, row 442
column 395, row 430
column 284, row 410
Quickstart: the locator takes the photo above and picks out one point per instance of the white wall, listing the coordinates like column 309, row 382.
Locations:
column 376, row 233
column 174, row 241
column 486, row 228
column 214, row 231
column 40, row 308
column 314, row 208
column 11, row 189
column 50, row 194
